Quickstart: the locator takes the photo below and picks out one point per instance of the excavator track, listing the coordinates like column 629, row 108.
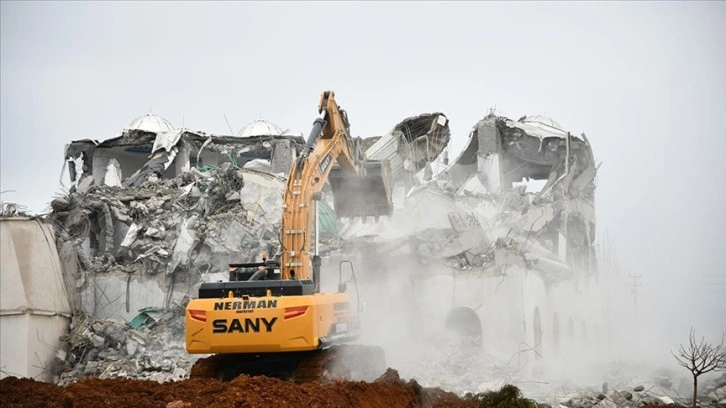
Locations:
column 342, row 362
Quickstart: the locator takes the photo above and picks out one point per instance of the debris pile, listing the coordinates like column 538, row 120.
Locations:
column 635, row 398
column 8, row 209
column 131, row 248
column 150, row 347
column 714, row 391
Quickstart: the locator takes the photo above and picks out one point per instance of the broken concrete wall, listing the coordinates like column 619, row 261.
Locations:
column 522, row 311
column 561, row 215
column 533, row 147
column 412, row 145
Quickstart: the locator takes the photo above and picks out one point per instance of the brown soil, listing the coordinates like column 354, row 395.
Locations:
column 389, row 391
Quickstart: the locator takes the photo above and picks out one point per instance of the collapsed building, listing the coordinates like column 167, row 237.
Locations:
column 506, row 152
column 497, row 246
column 155, row 211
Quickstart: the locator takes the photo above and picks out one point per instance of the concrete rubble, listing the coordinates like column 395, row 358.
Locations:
column 472, row 371
column 113, row 348
column 660, row 390
column 625, row 397
column 155, row 211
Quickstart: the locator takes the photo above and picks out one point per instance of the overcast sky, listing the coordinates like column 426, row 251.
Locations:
column 645, row 81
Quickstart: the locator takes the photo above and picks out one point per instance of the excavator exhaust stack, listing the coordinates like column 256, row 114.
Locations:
column 362, row 196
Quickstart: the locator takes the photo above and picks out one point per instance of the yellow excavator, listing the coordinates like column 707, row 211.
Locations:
column 271, row 317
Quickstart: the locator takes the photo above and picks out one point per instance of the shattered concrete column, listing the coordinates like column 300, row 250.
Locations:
column 489, row 159
column 181, row 163
column 491, row 166
column 562, row 238
column 113, row 174
column 283, row 153
column 100, row 163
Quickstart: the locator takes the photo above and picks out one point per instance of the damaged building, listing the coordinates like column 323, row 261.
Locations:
column 502, row 153
column 498, row 246
column 149, row 215
column 155, row 211
column 151, row 147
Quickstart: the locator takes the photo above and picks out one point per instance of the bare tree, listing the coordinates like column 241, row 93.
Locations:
column 700, row 358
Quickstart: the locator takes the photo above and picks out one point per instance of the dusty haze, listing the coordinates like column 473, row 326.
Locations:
column 645, row 81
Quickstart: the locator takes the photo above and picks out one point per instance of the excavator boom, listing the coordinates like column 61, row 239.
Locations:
column 360, row 188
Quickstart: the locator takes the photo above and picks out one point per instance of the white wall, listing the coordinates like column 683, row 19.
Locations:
column 14, row 345
column 34, row 308
column 29, row 343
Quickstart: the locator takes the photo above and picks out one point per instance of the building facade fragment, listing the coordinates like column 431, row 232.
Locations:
column 502, row 153
column 412, row 145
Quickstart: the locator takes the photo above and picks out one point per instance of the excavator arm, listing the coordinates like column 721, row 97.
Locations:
column 360, row 188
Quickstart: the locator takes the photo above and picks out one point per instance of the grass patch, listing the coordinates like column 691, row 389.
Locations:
column 509, row 396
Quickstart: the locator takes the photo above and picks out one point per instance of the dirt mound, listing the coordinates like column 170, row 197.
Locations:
column 389, row 391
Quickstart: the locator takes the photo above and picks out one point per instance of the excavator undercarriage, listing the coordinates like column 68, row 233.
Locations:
column 345, row 361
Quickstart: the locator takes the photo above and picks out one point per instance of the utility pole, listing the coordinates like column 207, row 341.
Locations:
column 634, row 290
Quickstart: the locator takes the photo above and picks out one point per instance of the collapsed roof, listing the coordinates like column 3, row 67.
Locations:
column 504, row 152
column 134, row 156
column 412, row 144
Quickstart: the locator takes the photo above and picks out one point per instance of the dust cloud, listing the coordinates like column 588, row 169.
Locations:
column 407, row 302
